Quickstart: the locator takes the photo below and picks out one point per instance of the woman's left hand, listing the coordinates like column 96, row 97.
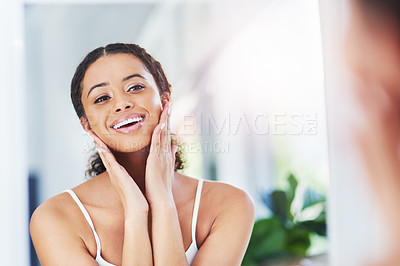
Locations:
column 161, row 161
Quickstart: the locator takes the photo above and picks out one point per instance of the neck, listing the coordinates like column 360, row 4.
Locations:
column 135, row 164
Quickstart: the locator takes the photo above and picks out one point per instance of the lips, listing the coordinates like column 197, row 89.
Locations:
column 128, row 123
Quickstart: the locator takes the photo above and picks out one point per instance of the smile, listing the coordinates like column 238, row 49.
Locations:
column 128, row 121
column 128, row 124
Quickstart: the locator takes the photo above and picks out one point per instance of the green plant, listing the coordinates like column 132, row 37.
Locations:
column 284, row 234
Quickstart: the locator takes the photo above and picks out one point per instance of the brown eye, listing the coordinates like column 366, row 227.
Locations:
column 136, row 88
column 102, row 98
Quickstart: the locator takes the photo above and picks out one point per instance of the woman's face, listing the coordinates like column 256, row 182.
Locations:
column 121, row 102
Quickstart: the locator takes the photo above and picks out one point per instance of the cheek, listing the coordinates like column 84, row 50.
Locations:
column 96, row 120
column 93, row 120
column 154, row 107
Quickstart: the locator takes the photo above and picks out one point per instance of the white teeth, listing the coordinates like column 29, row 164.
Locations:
column 128, row 121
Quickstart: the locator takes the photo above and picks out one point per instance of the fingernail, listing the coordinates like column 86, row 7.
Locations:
column 98, row 150
column 162, row 126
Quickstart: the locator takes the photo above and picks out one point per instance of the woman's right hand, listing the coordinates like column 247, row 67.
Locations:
column 131, row 196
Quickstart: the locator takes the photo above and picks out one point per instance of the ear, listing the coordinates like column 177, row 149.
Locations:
column 85, row 124
column 164, row 99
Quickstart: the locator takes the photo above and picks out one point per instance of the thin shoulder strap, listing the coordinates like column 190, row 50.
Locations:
column 196, row 209
column 87, row 217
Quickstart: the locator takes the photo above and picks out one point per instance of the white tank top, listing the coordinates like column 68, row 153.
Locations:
column 190, row 252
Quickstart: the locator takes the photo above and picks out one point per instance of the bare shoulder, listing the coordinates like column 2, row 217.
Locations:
column 51, row 211
column 59, row 208
column 48, row 220
column 54, row 216
column 61, row 214
column 223, row 209
column 227, row 196
column 217, row 197
column 57, row 234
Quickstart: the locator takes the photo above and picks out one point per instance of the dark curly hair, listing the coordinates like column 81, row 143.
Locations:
column 96, row 166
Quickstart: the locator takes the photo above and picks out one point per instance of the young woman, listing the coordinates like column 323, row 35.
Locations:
column 137, row 210
column 373, row 52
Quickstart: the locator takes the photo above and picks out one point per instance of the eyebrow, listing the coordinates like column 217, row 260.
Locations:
column 96, row 86
column 132, row 76
column 106, row 83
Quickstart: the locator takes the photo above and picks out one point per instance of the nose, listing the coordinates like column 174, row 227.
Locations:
column 122, row 104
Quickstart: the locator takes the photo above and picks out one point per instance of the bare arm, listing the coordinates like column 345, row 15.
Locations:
column 168, row 248
column 230, row 233
column 226, row 242
column 231, row 229
column 167, row 239
column 137, row 247
column 55, row 240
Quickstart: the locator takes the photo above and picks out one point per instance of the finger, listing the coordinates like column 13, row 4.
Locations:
column 115, row 170
column 155, row 138
column 169, row 127
column 164, row 133
column 164, row 113
column 169, row 118
column 100, row 145
column 105, row 154
column 164, row 137
column 105, row 161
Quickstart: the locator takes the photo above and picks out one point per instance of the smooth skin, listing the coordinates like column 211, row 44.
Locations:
column 140, row 207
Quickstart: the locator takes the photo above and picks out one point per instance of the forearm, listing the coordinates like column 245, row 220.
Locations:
column 167, row 240
column 137, row 247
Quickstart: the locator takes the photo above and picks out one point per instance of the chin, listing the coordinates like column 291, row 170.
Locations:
column 130, row 145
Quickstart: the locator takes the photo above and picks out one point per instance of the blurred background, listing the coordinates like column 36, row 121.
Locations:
column 249, row 104
column 247, row 86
